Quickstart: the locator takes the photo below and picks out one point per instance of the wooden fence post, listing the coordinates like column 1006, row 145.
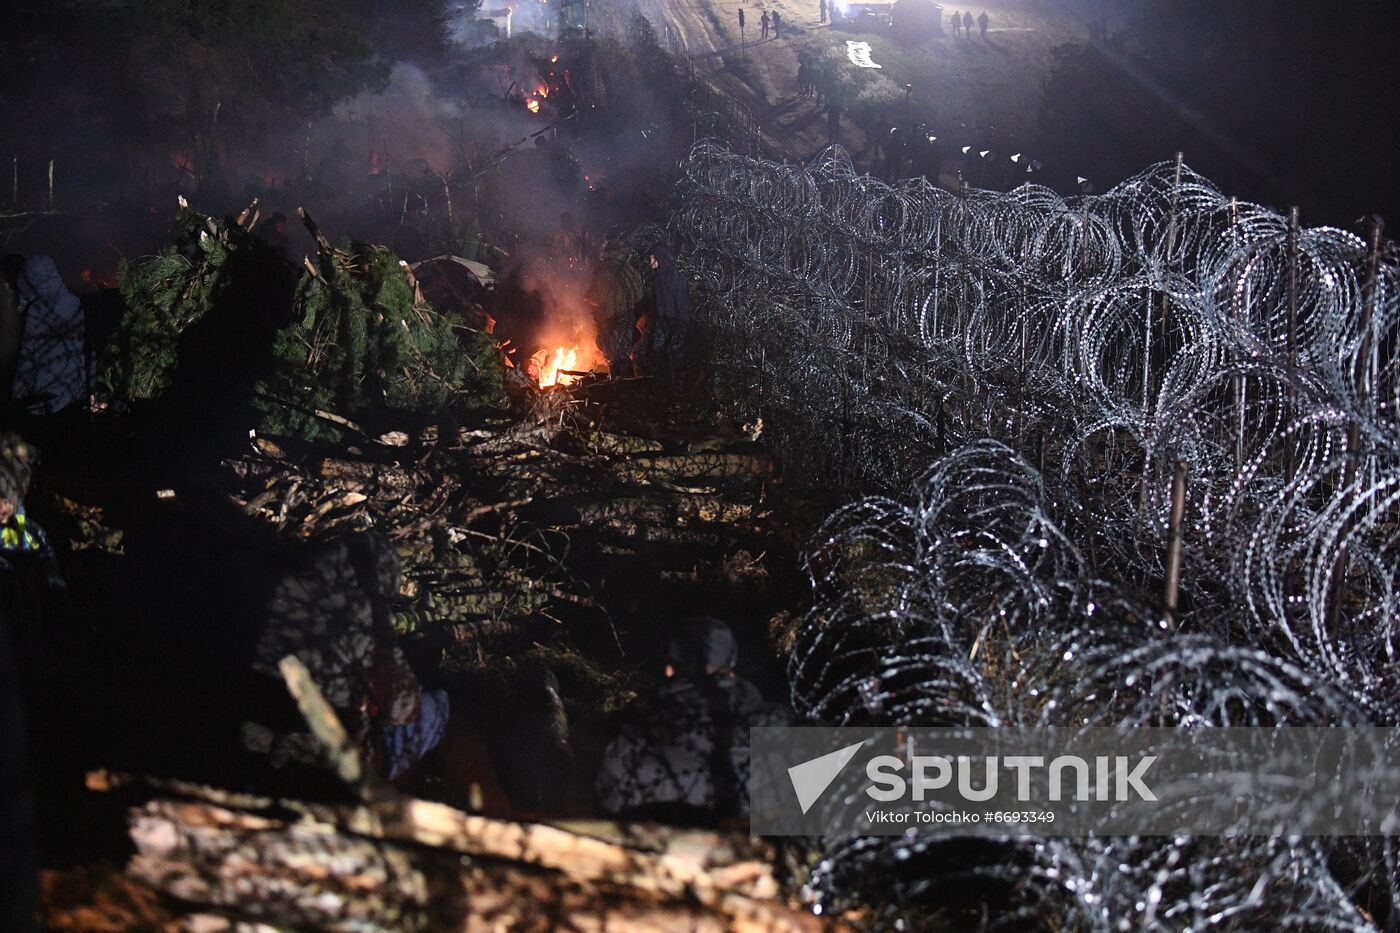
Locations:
column 1171, row 595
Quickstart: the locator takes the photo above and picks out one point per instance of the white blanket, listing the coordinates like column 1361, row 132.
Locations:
column 52, row 370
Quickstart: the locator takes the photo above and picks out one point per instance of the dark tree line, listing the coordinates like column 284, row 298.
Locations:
column 160, row 69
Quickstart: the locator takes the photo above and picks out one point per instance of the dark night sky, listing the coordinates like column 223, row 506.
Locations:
column 1276, row 101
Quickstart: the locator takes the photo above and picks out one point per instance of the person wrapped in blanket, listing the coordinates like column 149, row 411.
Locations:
column 43, row 356
column 334, row 615
column 682, row 752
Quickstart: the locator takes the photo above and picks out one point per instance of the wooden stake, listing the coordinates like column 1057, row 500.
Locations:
column 1237, row 382
column 1293, row 286
column 1289, row 467
column 762, row 376
column 1178, row 513
column 1083, row 235
column 1368, row 305
column 387, row 174
column 845, row 422
column 412, row 281
column 320, row 716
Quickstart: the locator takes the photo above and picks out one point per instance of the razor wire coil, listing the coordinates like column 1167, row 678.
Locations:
column 1018, row 375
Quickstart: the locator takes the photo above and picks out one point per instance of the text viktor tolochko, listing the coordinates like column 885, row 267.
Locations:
column 1075, row 782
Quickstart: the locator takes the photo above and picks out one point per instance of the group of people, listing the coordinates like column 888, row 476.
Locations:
column 963, row 22
column 767, row 21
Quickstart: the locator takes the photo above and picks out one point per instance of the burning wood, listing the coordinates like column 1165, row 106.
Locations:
column 565, row 363
column 556, row 369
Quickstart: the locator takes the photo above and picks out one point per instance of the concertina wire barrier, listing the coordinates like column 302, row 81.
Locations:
column 1016, row 379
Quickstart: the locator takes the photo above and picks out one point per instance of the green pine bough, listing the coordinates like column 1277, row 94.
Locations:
column 214, row 268
column 365, row 346
column 351, row 346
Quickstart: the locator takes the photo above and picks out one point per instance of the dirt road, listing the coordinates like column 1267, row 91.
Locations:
column 971, row 91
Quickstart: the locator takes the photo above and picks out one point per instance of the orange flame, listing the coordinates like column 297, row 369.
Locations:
column 563, row 359
column 532, row 105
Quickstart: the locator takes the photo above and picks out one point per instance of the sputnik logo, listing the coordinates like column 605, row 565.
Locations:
column 811, row 778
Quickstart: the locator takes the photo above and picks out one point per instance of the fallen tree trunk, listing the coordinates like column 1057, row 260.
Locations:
column 707, row 465
column 400, row 866
column 397, row 863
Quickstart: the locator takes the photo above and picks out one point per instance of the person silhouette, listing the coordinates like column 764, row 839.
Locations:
column 681, row 750
column 777, row 25
column 982, row 24
column 957, row 21
column 764, row 20
column 967, row 24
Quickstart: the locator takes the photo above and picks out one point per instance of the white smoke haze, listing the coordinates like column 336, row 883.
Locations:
column 439, row 157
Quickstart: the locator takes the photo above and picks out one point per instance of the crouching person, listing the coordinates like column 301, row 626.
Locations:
column 334, row 615
column 682, row 752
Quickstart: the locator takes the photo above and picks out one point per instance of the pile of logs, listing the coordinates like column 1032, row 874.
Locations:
column 492, row 525
column 413, row 864
column 398, row 863
column 485, row 520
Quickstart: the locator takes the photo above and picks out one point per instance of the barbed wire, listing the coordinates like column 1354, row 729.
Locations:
column 1027, row 380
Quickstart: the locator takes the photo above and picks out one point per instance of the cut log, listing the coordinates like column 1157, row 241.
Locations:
column 371, row 478
column 602, row 442
column 400, row 866
column 696, row 466
column 676, row 509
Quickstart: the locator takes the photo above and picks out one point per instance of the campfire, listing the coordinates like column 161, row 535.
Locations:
column 546, row 328
column 559, row 369
column 563, row 366
column 567, row 353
